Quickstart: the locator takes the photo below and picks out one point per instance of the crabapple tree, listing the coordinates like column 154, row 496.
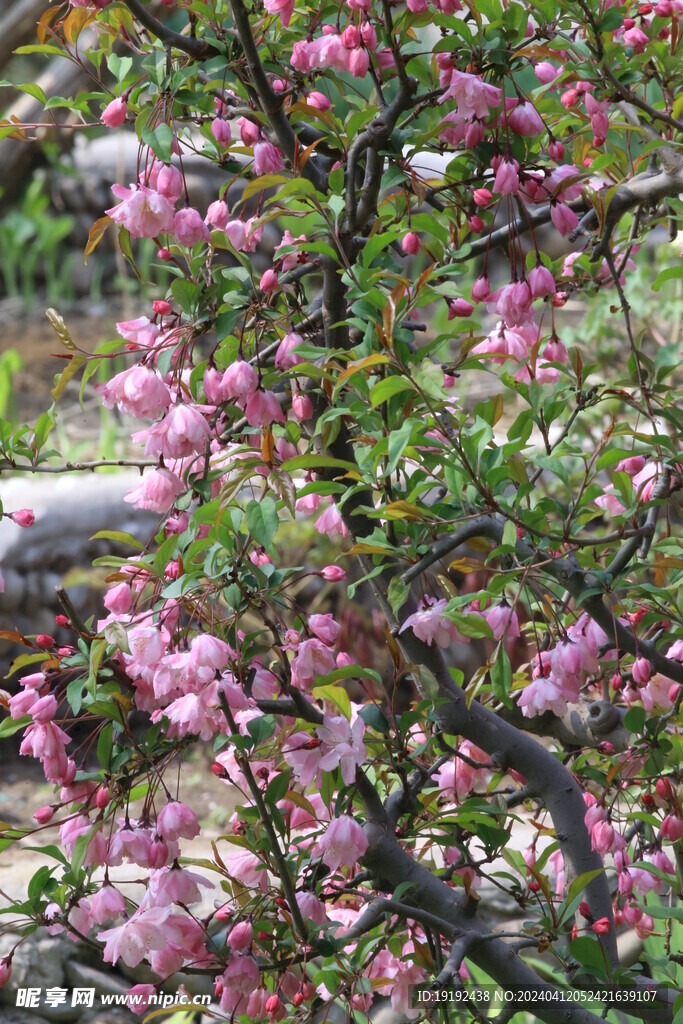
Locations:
column 368, row 362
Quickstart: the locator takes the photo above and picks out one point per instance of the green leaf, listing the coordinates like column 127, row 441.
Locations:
column 501, row 678
column 385, row 389
column 397, row 594
column 9, row 726
column 105, row 745
column 277, row 788
column 670, row 274
column 262, row 521
column 575, row 891
column 261, row 728
column 120, row 537
column 336, row 695
column 509, row 534
column 398, row 439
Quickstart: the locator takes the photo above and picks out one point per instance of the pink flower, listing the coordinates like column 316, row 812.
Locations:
column 318, row 99
column 343, row 844
column 285, row 8
column 507, row 178
column 177, row 821
column 473, row 96
column 671, row 828
column 563, row 217
column 410, row 244
column 131, row 941
column 430, row 625
column 23, row 517
column 107, row 904
column 481, row 289
column 182, row 432
column 313, row 658
column 541, row 282
column 157, row 491
column 325, row 628
column 240, row 937
column 513, row 302
column 169, row 182
column 137, row 391
column 331, row 522
column 333, row 573
column 268, row 282
column 262, row 409
column 503, row 343
column 633, row 465
column 143, row 212
column 118, row 599
column 221, row 132
column 114, row 114
column 236, row 230
column 342, row 745
column 5, row 970
column 547, row 72
column 545, row 694
column 267, row 159
column 525, row 120
column 218, row 214
column 240, row 381
column 641, row 671
column 140, row 996
column 503, row 620
column 286, row 357
column 636, row 38
column 249, row 132
column 141, row 331
column 176, row 885
column 605, row 839
column 189, row 228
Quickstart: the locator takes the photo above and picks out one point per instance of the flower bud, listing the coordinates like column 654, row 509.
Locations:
column 162, row 307
column 24, row 517
column 410, row 244
column 45, row 641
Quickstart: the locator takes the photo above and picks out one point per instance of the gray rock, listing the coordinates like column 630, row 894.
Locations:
column 80, row 975
column 37, row 963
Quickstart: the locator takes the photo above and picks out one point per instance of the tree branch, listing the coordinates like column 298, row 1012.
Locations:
column 200, row 49
column 271, row 103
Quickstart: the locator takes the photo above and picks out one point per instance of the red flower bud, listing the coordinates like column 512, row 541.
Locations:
column 534, row 886
column 165, row 255
column 43, row 640
column 605, row 747
column 585, row 910
column 629, row 23
column 664, row 789
column 162, row 307
column 476, row 223
column 298, row 998
column 647, row 799
column 273, row 1004
column 601, row 927
column 219, row 770
column 61, row 620
column 281, row 903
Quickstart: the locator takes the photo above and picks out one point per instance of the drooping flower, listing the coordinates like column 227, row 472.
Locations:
column 142, row 211
column 343, row 843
